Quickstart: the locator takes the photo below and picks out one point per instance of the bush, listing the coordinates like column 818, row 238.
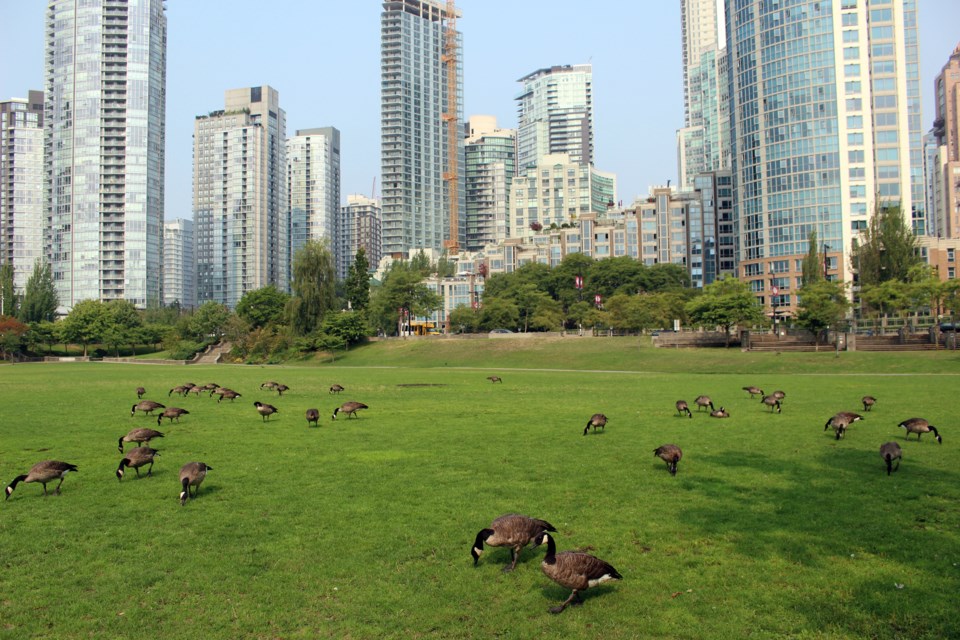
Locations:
column 185, row 349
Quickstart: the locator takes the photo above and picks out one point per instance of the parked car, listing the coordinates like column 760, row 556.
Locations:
column 501, row 331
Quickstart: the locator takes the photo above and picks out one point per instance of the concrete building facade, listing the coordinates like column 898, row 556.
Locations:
column 491, row 155
column 555, row 115
column 179, row 264
column 360, row 226
column 313, row 189
column 944, row 174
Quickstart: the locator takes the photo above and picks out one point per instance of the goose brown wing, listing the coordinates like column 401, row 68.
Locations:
column 576, row 570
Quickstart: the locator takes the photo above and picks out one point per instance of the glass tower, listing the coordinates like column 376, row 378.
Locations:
column 313, row 178
column 104, row 120
column 555, row 115
column 490, row 166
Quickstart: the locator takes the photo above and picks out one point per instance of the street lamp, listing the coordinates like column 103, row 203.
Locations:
column 774, row 298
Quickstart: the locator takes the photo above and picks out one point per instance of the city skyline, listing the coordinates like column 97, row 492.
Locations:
column 638, row 94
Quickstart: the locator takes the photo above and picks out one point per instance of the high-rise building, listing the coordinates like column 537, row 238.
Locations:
column 555, row 115
column 240, row 196
column 104, row 115
column 945, row 177
column 415, row 100
column 359, row 228
column 22, row 216
column 179, row 264
column 313, row 188
column 490, row 166
column 822, row 121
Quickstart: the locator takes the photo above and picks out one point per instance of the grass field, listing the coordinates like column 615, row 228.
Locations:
column 362, row 528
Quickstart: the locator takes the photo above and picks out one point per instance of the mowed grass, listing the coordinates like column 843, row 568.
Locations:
column 361, row 528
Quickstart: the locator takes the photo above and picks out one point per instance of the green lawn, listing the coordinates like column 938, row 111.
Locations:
column 362, row 528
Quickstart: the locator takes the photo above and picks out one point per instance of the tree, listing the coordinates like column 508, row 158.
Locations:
column 402, row 289
column 726, row 303
column 12, row 332
column 123, row 324
column 44, row 333
column 463, row 319
column 498, row 313
column 85, row 323
column 314, row 287
column 40, row 297
column 547, row 315
column 886, row 297
column 358, row 282
column 209, row 321
column 823, row 304
column 346, row 327
column 262, row 306
column 887, row 248
column 665, row 276
column 8, row 295
column 812, row 266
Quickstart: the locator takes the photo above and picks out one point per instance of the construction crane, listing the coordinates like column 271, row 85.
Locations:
column 452, row 175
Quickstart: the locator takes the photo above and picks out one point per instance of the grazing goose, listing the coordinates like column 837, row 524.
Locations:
column 754, row 391
column 349, row 408
column 139, row 436
column 920, row 426
column 511, row 530
column 868, row 402
column 671, row 454
column 850, row 416
column 573, row 570
column 191, row 475
column 43, row 472
column 596, row 420
column 771, row 401
column 269, row 385
column 719, row 413
column 495, row 379
column 335, row 388
column 779, row 395
column 210, row 386
column 313, row 415
column 702, row 402
column 265, row 410
column 135, row 459
column 682, row 407
column 147, row 406
column 170, row 413
column 196, row 390
column 839, row 422
column 228, row 394
column 140, row 392
column 890, row 451
column 280, row 388
column 179, row 390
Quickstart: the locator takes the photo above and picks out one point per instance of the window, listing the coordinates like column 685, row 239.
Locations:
column 855, row 138
column 851, row 53
column 851, row 70
column 881, row 33
column 853, row 87
column 851, row 35
column 884, row 84
column 854, row 104
column 881, row 15
column 950, row 255
column 855, row 122
column 849, row 19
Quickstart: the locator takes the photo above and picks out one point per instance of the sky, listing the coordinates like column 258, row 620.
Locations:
column 323, row 57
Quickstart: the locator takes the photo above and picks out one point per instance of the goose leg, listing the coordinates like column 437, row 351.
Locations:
column 137, row 469
column 573, row 596
column 44, row 489
column 150, row 470
column 513, row 565
column 58, row 486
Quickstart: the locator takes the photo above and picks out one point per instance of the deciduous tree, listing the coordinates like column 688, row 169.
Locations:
column 725, row 303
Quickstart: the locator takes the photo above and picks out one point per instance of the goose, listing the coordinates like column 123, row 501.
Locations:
column 210, row 386
column 682, row 407
column 139, row 436
column 495, row 379
column 719, row 413
column 850, row 416
column 596, row 420
column 510, row 530
column 265, row 410
column 335, row 388
column 179, row 390
column 349, row 408
column 140, row 392
column 573, row 570
column 771, row 401
column 839, row 422
column 196, row 390
column 269, row 385
column 135, row 459
column 703, row 401
column 754, row 391
column 170, row 413
column 313, row 415
column 147, row 406
column 228, row 394
column 779, row 395
column 890, row 451
column 671, row 454
column 920, row 426
column 43, row 472
column 281, row 388
column 868, row 402
column 191, row 475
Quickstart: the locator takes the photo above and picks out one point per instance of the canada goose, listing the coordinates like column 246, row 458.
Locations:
column 495, row 379
column 671, row 454
column 573, row 570
column 868, row 402
column 719, row 413
column 349, row 408
column 140, row 392
column 839, row 422
column 265, row 410
column 754, row 391
column 218, row 391
column 196, row 390
column 228, row 394
column 510, row 530
column 170, row 413
column 43, row 472
column 335, row 388
column 269, row 385
column 179, row 390
column 313, row 415
column 920, row 426
column 281, row 388
column 779, row 395
column 703, row 401
column 850, row 416
column 191, row 475
column 210, row 386
column 147, row 406
column 596, row 420
column 683, row 406
column 772, row 402
column 139, row 436
column 188, row 385
column 890, row 451
column 135, row 459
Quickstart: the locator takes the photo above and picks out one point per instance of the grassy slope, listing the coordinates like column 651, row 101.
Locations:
column 362, row 528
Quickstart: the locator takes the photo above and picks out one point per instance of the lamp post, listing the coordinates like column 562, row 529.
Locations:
column 826, row 261
column 774, row 298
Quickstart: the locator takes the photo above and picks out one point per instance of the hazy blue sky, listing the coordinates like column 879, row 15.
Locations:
column 324, row 59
